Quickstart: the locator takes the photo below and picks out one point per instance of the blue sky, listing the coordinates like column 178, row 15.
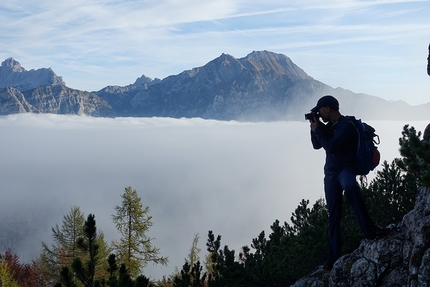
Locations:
column 374, row 47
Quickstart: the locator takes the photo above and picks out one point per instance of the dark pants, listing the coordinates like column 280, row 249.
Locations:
column 334, row 185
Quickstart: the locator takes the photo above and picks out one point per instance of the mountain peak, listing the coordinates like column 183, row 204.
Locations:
column 12, row 65
column 224, row 59
column 277, row 63
column 262, row 55
column 145, row 81
column 13, row 75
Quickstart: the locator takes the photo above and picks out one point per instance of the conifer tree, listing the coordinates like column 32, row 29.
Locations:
column 120, row 277
column 24, row 273
column 391, row 194
column 192, row 271
column 134, row 248
column 6, row 276
column 85, row 271
column 64, row 247
column 193, row 257
column 67, row 278
column 113, row 268
column 415, row 154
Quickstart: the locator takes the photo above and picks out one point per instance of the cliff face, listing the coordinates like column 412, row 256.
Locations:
column 56, row 99
column 402, row 259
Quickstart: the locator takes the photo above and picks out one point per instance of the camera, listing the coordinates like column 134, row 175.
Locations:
column 310, row 116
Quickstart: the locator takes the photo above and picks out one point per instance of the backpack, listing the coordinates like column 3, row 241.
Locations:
column 368, row 155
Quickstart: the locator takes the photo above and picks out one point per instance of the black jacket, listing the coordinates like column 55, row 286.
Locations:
column 339, row 142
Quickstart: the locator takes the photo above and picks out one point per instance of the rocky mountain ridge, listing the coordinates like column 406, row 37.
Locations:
column 263, row 86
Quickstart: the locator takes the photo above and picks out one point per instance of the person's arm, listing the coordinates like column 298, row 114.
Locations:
column 315, row 142
column 316, row 124
column 341, row 137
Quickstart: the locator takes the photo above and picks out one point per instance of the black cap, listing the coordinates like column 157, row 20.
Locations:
column 327, row 101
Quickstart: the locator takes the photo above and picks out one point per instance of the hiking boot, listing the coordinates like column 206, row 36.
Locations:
column 328, row 265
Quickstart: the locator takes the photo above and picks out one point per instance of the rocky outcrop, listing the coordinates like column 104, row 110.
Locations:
column 12, row 101
column 402, row 259
column 53, row 100
column 63, row 100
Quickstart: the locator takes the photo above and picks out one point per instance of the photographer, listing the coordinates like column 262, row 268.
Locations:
column 338, row 136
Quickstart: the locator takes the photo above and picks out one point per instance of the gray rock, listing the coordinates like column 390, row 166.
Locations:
column 54, row 100
column 402, row 259
column 12, row 101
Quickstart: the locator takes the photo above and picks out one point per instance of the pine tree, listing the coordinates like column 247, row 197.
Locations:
column 65, row 249
column 415, row 155
column 113, row 269
column 390, row 195
column 135, row 248
column 67, row 278
column 85, row 272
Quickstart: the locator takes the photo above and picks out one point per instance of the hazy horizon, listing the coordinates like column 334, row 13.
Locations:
column 195, row 175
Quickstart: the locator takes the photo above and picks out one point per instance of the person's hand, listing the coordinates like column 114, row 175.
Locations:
column 314, row 123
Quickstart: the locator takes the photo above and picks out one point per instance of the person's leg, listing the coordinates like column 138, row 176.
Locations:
column 333, row 195
column 353, row 194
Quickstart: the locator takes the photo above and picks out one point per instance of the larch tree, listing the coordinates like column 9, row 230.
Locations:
column 24, row 273
column 64, row 247
column 6, row 275
column 193, row 257
column 134, row 248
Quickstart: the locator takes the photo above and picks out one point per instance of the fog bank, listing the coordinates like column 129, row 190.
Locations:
column 195, row 175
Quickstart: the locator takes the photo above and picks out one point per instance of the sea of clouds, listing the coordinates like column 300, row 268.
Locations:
column 195, row 175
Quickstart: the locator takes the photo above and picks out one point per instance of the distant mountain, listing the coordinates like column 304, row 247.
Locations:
column 42, row 91
column 13, row 75
column 263, row 86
